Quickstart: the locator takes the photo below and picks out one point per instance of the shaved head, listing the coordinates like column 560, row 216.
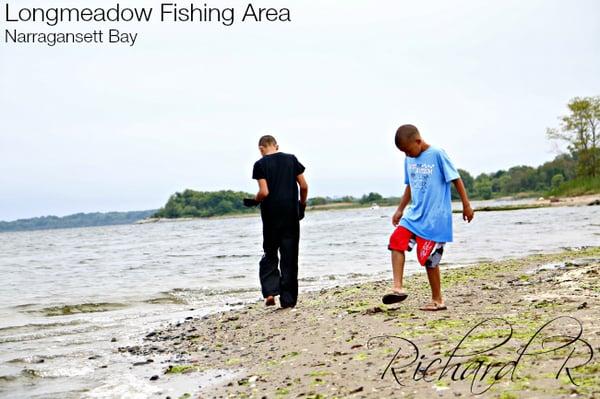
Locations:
column 405, row 134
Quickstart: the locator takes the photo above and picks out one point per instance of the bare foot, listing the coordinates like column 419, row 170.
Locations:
column 433, row 306
column 270, row 301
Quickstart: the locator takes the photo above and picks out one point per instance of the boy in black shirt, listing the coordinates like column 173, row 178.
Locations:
column 279, row 175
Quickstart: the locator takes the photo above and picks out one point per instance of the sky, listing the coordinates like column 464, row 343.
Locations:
column 86, row 128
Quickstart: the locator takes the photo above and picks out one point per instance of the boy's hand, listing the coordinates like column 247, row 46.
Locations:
column 250, row 202
column 468, row 213
column 397, row 216
column 301, row 210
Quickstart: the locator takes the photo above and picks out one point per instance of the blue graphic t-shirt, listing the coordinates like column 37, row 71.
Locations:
column 429, row 214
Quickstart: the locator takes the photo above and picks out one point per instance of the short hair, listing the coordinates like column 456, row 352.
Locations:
column 405, row 133
column 267, row 140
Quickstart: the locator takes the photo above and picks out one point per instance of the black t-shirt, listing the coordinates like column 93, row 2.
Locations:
column 280, row 171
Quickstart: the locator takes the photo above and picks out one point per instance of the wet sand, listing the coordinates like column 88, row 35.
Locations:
column 343, row 342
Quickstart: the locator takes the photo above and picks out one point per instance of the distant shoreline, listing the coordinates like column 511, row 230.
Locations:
column 582, row 200
column 133, row 217
column 76, row 220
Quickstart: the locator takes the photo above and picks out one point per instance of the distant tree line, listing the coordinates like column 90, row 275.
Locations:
column 191, row 203
column 577, row 172
column 520, row 179
column 366, row 199
column 574, row 173
column 75, row 220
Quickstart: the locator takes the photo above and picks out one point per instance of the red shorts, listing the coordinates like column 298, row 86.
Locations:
column 429, row 252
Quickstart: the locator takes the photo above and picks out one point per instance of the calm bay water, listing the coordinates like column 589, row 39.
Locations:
column 70, row 298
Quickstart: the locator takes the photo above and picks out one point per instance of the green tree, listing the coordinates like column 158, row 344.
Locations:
column 190, row 203
column 317, row 201
column 580, row 129
column 483, row 186
column 468, row 181
column 557, row 180
column 372, row 197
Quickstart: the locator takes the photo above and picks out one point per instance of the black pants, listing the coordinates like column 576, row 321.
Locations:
column 282, row 235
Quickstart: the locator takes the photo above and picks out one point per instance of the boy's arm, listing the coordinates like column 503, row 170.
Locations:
column 263, row 190
column 303, row 188
column 403, row 202
column 467, row 210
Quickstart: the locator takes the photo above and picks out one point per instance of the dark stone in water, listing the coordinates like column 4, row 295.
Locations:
column 94, row 357
column 152, row 334
column 154, row 378
column 113, row 339
column 595, row 202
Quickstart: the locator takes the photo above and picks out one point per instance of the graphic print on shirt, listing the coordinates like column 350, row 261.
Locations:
column 419, row 175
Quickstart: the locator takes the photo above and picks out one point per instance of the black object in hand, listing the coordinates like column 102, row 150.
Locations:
column 301, row 209
column 250, row 202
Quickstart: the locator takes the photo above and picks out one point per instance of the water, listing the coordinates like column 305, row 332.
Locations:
column 66, row 295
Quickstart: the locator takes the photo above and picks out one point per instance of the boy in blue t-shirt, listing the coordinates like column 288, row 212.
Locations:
column 428, row 220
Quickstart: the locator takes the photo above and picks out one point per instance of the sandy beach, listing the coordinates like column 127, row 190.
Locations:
column 343, row 342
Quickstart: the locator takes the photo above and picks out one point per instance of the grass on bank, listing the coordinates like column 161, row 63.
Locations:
column 578, row 186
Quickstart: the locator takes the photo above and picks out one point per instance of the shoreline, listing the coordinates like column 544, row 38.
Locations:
column 582, row 200
column 324, row 348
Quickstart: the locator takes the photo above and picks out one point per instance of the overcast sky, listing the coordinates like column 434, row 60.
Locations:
column 103, row 128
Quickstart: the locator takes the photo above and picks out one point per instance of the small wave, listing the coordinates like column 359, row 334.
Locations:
column 123, row 385
column 35, row 359
column 210, row 291
column 39, row 325
column 189, row 296
column 30, row 373
column 24, row 306
column 40, row 334
column 233, row 256
column 7, row 378
column 162, row 300
column 56, row 372
column 64, row 310
column 310, row 279
column 85, row 261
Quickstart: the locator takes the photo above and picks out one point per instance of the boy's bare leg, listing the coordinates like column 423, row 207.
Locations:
column 398, row 269
column 434, row 277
